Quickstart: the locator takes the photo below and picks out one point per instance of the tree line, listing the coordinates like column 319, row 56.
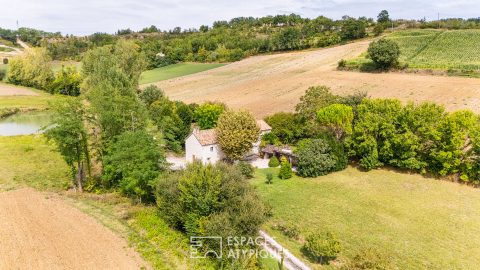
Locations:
column 328, row 131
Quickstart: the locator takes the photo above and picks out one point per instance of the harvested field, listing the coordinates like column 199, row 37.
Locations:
column 12, row 90
column 41, row 231
column 270, row 83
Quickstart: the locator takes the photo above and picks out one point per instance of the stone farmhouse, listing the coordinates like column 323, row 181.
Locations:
column 203, row 145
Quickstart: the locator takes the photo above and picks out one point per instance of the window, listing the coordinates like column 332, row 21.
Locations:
column 211, row 149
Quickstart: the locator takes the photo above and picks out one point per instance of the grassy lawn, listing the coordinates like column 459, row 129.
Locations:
column 30, row 161
column 422, row 223
column 176, row 70
column 435, row 49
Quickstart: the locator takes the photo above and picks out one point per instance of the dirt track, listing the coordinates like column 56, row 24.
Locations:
column 43, row 232
column 12, row 90
column 271, row 83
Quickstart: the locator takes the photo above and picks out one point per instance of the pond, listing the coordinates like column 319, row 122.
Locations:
column 24, row 123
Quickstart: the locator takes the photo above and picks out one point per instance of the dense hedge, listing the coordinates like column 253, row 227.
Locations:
column 423, row 138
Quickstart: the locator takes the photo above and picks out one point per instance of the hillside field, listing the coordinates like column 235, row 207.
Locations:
column 271, row 83
column 175, row 70
column 422, row 223
column 436, row 49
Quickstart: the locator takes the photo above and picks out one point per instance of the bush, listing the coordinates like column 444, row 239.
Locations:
column 151, row 94
column 384, row 53
column 290, row 230
column 133, row 163
column 285, row 169
column 321, row 247
column 206, row 200
column 369, row 259
column 246, row 169
column 67, row 82
column 287, row 127
column 206, row 115
column 269, row 179
column 318, row 157
column 342, row 64
column 273, row 162
column 31, row 69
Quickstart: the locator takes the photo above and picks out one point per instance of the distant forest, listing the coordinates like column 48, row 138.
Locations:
column 228, row 41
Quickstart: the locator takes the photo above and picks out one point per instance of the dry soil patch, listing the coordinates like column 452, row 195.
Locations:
column 40, row 231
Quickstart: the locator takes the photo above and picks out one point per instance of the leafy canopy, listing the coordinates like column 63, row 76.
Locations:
column 206, row 115
column 236, row 133
column 337, row 118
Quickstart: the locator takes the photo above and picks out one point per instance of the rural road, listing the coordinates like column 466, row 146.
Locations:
column 267, row 84
column 40, row 231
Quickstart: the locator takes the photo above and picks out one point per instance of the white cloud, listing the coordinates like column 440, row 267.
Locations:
column 88, row 16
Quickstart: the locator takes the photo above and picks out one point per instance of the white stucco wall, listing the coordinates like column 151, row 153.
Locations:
column 205, row 153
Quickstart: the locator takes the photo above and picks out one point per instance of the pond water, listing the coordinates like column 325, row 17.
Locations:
column 24, row 123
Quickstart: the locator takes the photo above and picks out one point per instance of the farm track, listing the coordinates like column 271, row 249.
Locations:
column 271, row 83
column 40, row 231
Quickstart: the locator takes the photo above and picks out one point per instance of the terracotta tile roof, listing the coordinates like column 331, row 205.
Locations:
column 206, row 137
column 263, row 125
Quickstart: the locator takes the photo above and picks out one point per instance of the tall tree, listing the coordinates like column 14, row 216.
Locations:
column 236, row 132
column 337, row 118
column 111, row 80
column 70, row 136
column 383, row 17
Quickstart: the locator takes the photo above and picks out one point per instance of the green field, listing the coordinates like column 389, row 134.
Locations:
column 436, row 49
column 422, row 223
column 176, row 70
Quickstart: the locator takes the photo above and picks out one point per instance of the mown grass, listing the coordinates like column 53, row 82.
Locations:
column 28, row 161
column 176, row 70
column 422, row 223
column 455, row 51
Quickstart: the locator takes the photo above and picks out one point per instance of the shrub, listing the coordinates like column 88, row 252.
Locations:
column 273, row 162
column 151, row 94
column 319, row 157
column 269, row 179
column 378, row 29
column 132, row 163
column 369, row 259
column 321, row 247
column 205, row 200
column 246, row 169
column 342, row 63
column 384, row 53
column 290, row 230
column 286, row 127
column 285, row 169
column 31, row 69
column 206, row 115
column 67, row 82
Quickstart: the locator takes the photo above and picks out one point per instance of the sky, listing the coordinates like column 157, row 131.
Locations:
column 83, row 17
